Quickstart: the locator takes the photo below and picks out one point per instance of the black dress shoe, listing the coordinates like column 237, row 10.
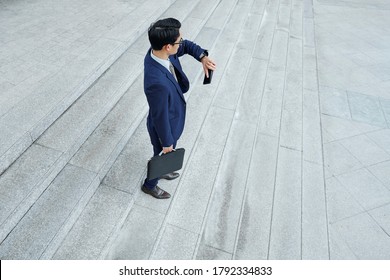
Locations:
column 156, row 192
column 170, row 176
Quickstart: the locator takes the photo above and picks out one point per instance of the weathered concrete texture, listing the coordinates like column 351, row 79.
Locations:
column 22, row 184
column 224, row 213
column 18, row 182
column 89, row 234
column 177, row 243
column 75, row 48
column 254, row 233
column 30, row 238
column 287, row 150
column 137, row 237
column 210, row 253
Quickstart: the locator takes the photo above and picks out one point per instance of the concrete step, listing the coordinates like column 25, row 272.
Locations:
column 58, row 204
column 27, row 114
column 128, row 170
column 109, row 137
column 213, row 205
column 268, row 196
column 204, row 133
column 58, row 144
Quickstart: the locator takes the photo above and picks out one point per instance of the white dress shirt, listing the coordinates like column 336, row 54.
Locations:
column 163, row 62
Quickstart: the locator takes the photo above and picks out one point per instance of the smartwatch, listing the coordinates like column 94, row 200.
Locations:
column 205, row 53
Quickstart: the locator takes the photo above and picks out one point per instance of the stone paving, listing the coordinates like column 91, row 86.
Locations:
column 287, row 151
column 353, row 76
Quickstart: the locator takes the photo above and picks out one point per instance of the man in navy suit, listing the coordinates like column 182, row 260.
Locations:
column 164, row 86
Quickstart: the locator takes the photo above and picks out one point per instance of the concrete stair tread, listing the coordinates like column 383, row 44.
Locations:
column 87, row 112
column 108, row 217
column 260, row 147
column 37, row 229
column 213, row 208
column 111, row 134
column 126, row 174
column 32, row 113
column 199, row 102
column 20, row 179
column 63, row 138
column 99, row 219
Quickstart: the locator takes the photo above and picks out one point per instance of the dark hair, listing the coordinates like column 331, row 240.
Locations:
column 163, row 32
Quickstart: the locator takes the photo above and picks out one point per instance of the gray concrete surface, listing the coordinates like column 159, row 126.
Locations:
column 287, row 151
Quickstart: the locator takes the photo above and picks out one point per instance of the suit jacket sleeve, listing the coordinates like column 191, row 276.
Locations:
column 158, row 98
column 190, row 48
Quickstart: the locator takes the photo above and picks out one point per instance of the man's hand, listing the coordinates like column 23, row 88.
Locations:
column 167, row 149
column 208, row 64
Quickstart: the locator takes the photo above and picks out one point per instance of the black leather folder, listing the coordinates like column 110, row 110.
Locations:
column 166, row 163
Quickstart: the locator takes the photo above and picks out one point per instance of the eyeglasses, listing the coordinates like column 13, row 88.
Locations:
column 181, row 41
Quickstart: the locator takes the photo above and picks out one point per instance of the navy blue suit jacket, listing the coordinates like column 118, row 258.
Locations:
column 167, row 106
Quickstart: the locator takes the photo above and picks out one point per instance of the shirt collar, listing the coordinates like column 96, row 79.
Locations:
column 163, row 62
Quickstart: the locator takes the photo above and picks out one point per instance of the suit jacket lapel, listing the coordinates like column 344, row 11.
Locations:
column 183, row 77
column 167, row 73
